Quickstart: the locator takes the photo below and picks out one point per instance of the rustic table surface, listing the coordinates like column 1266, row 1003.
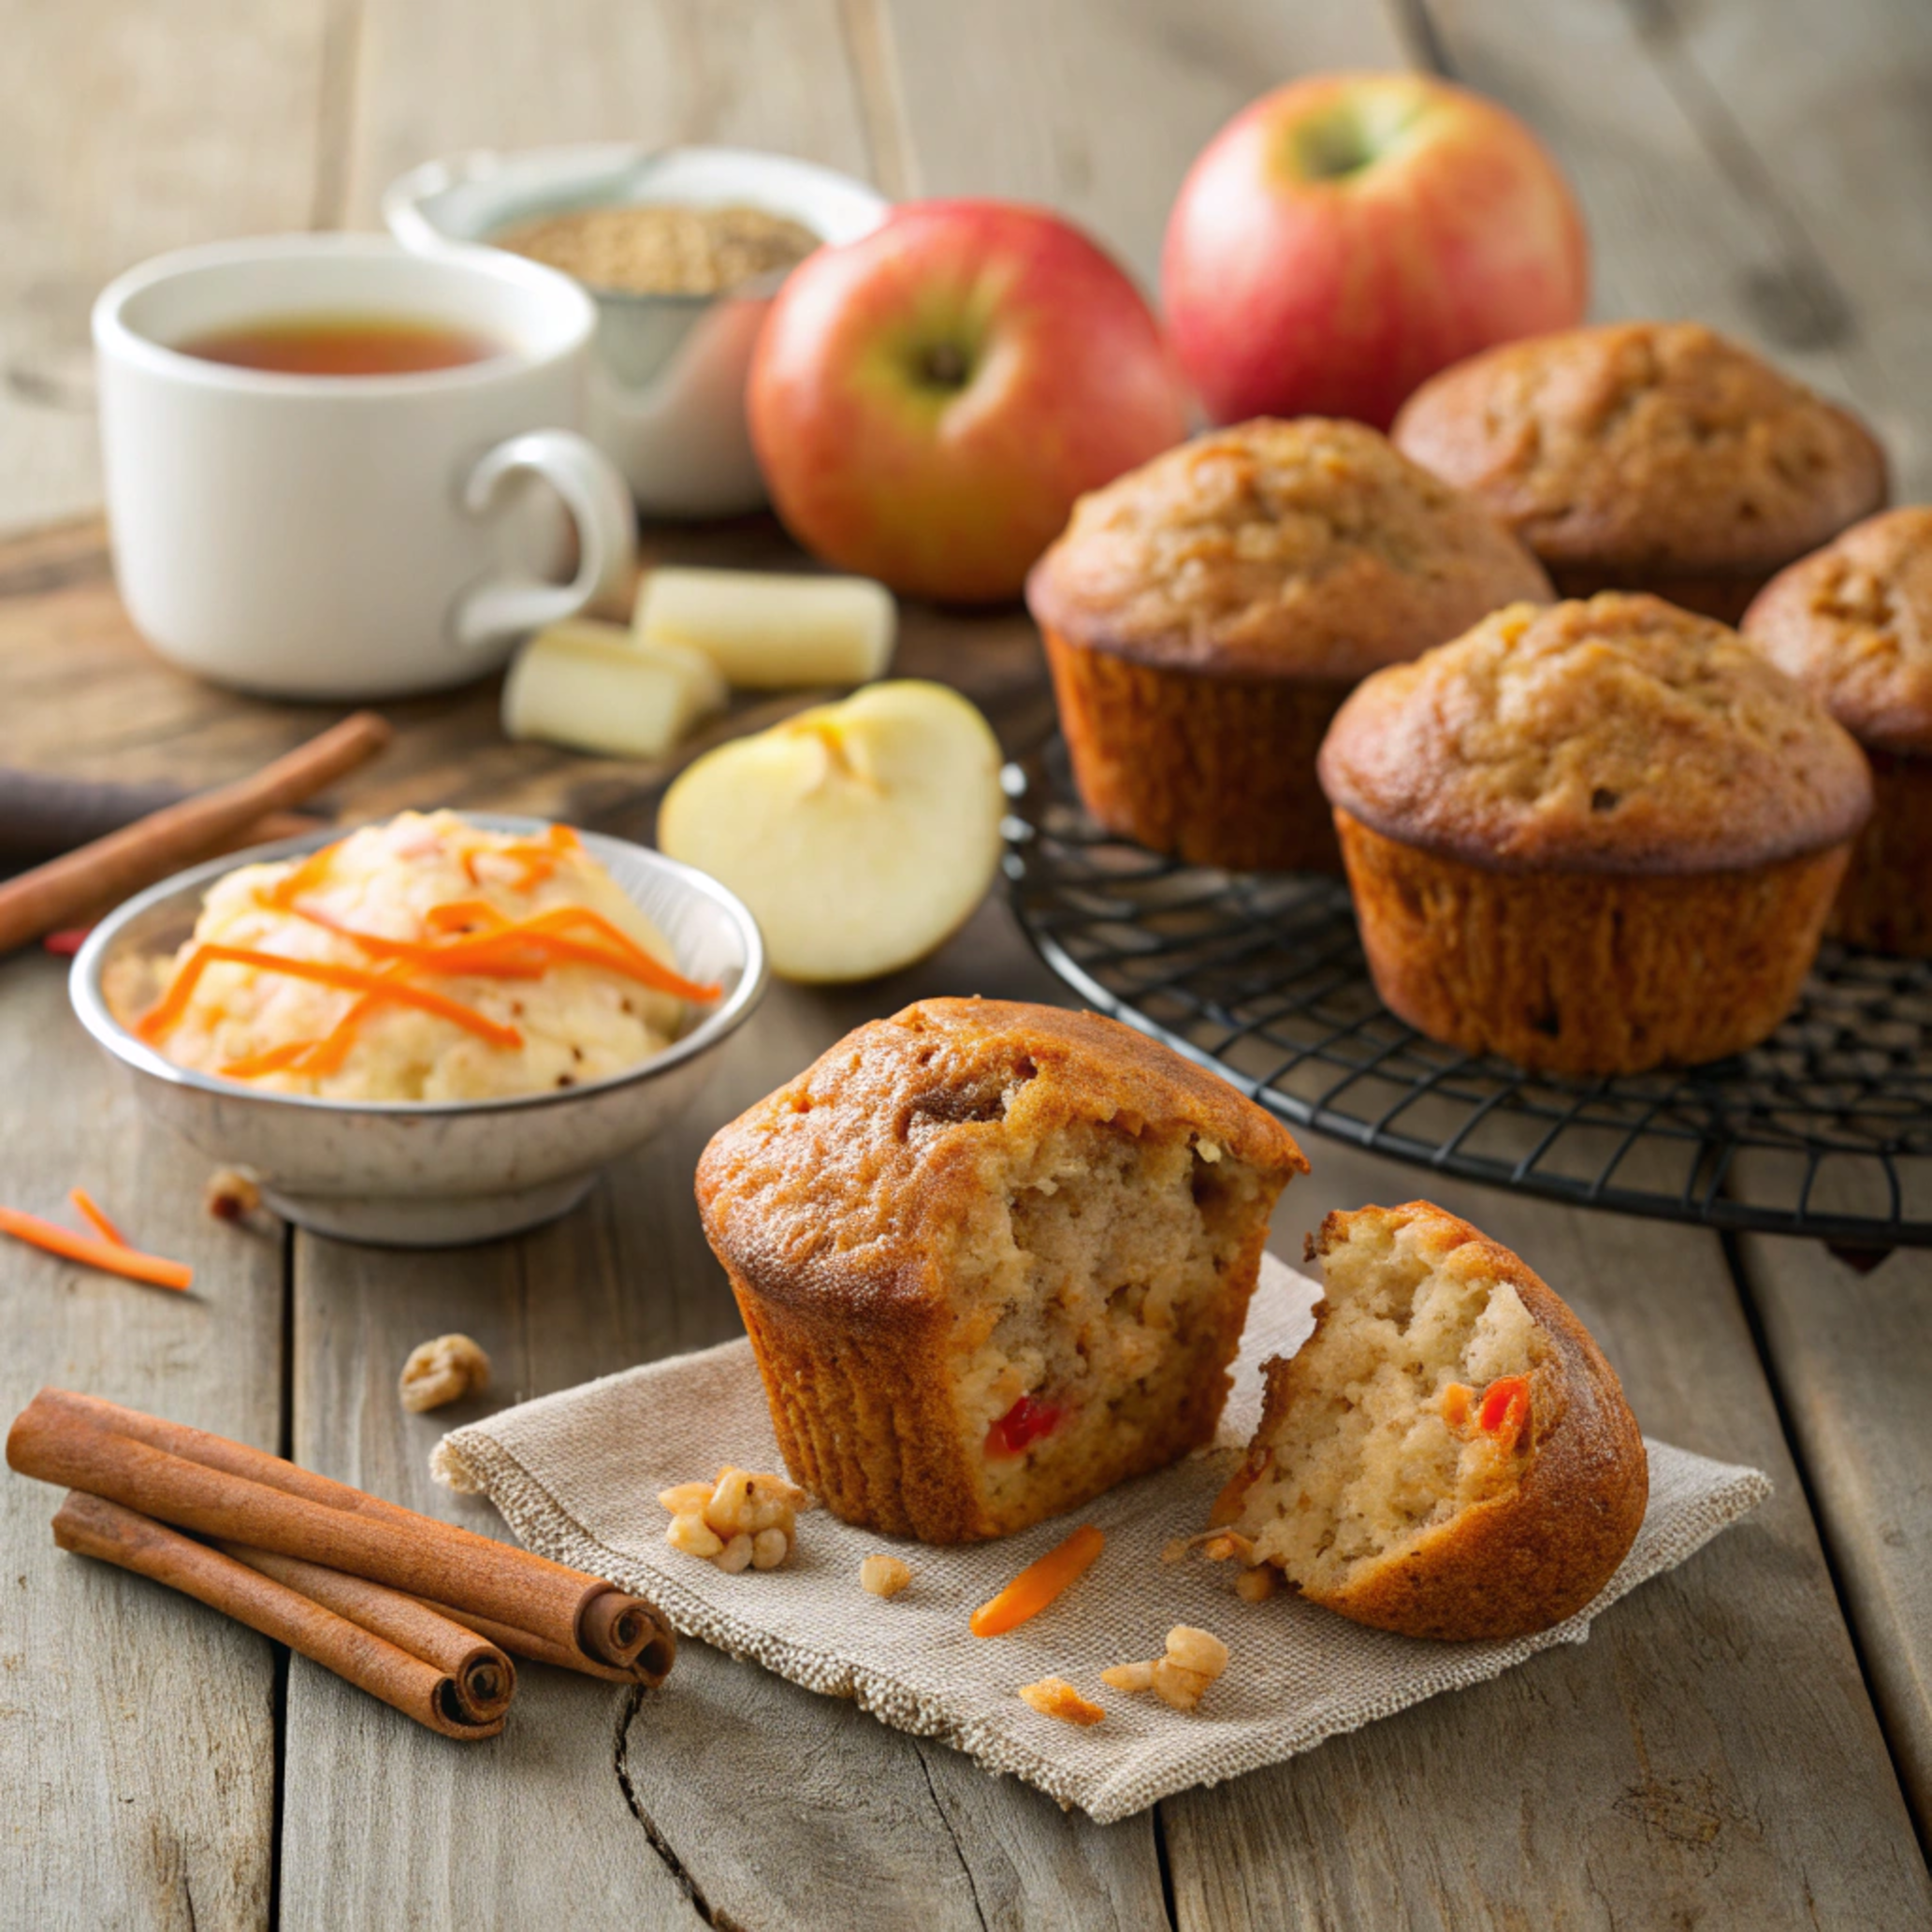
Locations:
column 1745, row 1742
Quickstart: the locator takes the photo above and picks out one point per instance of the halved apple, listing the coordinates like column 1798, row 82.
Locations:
column 860, row 835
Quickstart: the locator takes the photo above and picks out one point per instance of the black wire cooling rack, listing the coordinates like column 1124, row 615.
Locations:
column 1824, row 1130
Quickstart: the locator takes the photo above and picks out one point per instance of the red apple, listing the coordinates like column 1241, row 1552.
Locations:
column 927, row 401
column 1347, row 235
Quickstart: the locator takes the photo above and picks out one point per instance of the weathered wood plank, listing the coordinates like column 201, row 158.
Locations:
column 137, row 1728
column 1708, row 1757
column 1852, row 1353
column 130, row 130
column 1681, row 129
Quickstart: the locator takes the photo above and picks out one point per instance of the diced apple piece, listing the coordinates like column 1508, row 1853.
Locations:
column 598, row 688
column 860, row 835
column 766, row 631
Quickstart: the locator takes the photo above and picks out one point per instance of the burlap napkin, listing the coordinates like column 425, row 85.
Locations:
column 576, row 1475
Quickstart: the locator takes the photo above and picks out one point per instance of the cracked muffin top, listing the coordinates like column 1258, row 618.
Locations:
column 1853, row 624
column 1308, row 550
column 1654, row 448
column 1621, row 735
column 842, row 1188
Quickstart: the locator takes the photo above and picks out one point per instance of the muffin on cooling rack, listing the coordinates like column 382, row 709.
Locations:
column 1853, row 624
column 1594, row 838
column 1205, row 613
column 1448, row 1455
column 994, row 1259
column 1648, row 456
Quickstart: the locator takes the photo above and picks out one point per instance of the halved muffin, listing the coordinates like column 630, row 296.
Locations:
column 1595, row 839
column 1853, row 624
column 1646, row 455
column 1205, row 613
column 994, row 1259
column 1448, row 1455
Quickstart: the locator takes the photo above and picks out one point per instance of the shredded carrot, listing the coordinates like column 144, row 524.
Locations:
column 305, row 877
column 270, row 1060
column 1505, row 1408
column 1039, row 1584
column 115, row 1257
column 90, row 1211
column 174, row 1002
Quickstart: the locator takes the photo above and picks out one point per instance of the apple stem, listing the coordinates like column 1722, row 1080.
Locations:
column 945, row 367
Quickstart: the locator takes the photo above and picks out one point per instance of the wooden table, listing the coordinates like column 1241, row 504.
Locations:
column 1746, row 1742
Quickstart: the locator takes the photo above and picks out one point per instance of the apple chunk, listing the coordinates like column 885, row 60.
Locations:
column 860, row 835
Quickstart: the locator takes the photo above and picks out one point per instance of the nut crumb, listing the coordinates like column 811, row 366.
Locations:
column 1054, row 1697
column 1194, row 1658
column 1258, row 1585
column 884, row 1575
column 742, row 1520
column 232, row 1195
column 443, row 1371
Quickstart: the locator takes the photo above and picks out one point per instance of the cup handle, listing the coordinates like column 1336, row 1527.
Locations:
column 599, row 505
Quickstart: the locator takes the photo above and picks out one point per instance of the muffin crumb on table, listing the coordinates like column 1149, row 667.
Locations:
column 741, row 1520
column 1054, row 1697
column 884, row 1575
column 1193, row 1660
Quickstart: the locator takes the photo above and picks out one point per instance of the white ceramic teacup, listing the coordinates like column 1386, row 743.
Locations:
column 324, row 536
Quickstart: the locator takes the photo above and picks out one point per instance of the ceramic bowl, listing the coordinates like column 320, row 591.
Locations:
column 433, row 1174
column 666, row 400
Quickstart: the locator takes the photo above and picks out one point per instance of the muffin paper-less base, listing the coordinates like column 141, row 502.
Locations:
column 576, row 1475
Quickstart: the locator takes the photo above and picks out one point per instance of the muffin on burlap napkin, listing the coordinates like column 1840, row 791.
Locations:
column 576, row 1475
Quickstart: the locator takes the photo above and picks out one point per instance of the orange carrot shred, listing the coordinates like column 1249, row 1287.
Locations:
column 270, row 1060
column 308, row 875
column 1505, row 1408
column 1039, row 1584
column 112, row 1258
column 174, row 1002
column 89, row 1211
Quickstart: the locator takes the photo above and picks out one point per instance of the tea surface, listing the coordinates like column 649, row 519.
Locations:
column 343, row 345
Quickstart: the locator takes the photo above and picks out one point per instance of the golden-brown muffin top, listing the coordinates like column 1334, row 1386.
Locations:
column 1617, row 734
column 843, row 1189
column 1645, row 447
column 1304, row 549
column 1852, row 623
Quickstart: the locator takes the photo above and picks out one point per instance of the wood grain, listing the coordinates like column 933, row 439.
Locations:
column 136, row 1729
column 129, row 130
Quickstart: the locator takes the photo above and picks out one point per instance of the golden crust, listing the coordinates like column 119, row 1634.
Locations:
column 835, row 1204
column 1581, row 973
column 1620, row 734
column 1528, row 1559
column 1304, row 549
column 1853, row 624
column 1641, row 450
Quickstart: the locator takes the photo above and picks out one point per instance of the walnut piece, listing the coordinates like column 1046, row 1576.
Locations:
column 231, row 1194
column 1054, row 1697
column 1194, row 1658
column 884, row 1575
column 443, row 1371
column 743, row 1521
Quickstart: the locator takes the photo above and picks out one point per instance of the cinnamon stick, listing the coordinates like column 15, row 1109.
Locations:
column 109, row 869
column 536, row 1649
column 481, row 1678
column 93, row 1526
column 225, row 1488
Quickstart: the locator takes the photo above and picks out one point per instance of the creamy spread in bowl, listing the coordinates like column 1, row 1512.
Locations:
column 427, row 959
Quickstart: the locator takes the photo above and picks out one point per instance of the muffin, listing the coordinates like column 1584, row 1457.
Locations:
column 1853, row 624
column 1206, row 614
column 1646, row 455
column 1448, row 1455
column 1594, row 838
column 994, row 1259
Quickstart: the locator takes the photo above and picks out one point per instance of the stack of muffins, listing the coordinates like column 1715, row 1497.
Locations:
column 1595, row 836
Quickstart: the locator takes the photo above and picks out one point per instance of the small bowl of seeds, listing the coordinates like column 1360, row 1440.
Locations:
column 682, row 250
